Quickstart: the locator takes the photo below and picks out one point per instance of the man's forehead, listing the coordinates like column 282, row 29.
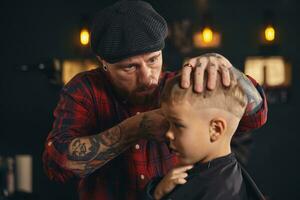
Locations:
column 141, row 56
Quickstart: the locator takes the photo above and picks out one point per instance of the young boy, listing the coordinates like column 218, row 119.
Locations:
column 201, row 128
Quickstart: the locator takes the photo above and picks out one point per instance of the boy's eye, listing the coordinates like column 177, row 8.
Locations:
column 178, row 125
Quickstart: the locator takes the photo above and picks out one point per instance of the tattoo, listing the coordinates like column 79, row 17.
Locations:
column 102, row 158
column 83, row 149
column 95, row 150
column 79, row 148
column 112, row 137
column 145, row 127
column 198, row 63
column 253, row 96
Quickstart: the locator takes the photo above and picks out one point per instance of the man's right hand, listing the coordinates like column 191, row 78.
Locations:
column 153, row 125
column 88, row 153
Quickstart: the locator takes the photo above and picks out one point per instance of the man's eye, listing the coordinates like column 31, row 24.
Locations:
column 153, row 60
column 130, row 68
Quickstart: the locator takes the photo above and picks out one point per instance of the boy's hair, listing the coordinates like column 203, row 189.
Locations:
column 231, row 99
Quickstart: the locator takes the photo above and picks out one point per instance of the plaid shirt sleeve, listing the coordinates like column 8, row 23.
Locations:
column 257, row 119
column 73, row 118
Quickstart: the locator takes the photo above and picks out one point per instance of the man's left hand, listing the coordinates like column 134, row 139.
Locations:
column 210, row 62
column 214, row 63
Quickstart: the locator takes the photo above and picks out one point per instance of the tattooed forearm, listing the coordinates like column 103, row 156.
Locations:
column 86, row 148
column 86, row 154
column 254, row 99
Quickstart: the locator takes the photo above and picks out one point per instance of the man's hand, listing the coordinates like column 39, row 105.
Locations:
column 214, row 63
column 153, row 125
column 174, row 177
column 210, row 62
column 150, row 125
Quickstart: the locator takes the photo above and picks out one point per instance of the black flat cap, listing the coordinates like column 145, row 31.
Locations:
column 127, row 28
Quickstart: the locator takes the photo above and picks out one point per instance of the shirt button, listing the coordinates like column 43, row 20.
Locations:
column 142, row 176
column 137, row 146
column 49, row 143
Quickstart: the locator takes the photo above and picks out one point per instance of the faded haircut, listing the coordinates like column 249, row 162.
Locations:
column 231, row 99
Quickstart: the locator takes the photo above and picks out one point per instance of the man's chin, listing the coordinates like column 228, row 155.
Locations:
column 141, row 97
column 143, row 94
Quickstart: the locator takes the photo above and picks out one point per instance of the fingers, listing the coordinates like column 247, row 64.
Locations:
column 225, row 76
column 225, row 68
column 198, row 64
column 199, row 74
column 174, row 177
column 181, row 169
column 179, row 178
column 211, row 62
column 185, row 76
column 212, row 71
column 180, row 181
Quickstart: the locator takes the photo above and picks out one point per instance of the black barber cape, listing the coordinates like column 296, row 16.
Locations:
column 220, row 179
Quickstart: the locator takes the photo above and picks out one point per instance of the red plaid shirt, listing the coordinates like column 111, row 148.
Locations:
column 89, row 106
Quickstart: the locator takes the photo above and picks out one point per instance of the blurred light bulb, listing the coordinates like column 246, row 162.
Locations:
column 269, row 33
column 84, row 37
column 207, row 35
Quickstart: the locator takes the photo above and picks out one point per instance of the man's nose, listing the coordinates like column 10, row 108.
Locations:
column 145, row 75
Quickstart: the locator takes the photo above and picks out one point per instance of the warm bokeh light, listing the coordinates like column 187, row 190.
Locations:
column 207, row 35
column 254, row 66
column 276, row 71
column 84, row 37
column 270, row 71
column 207, row 39
column 270, row 33
column 72, row 67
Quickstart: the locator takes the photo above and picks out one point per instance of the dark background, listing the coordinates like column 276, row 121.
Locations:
column 35, row 31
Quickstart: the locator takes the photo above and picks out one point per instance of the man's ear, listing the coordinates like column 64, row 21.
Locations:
column 217, row 128
column 101, row 60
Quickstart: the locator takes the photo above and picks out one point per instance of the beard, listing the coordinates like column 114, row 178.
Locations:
column 141, row 95
column 138, row 95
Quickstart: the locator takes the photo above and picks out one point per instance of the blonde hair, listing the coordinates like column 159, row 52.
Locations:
column 231, row 99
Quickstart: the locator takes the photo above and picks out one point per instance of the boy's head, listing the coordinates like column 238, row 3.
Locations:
column 202, row 124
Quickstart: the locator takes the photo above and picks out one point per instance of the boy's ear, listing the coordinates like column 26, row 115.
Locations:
column 217, row 127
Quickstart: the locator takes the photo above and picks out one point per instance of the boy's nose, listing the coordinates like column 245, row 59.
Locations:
column 170, row 135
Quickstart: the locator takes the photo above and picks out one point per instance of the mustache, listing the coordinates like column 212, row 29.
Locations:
column 145, row 88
